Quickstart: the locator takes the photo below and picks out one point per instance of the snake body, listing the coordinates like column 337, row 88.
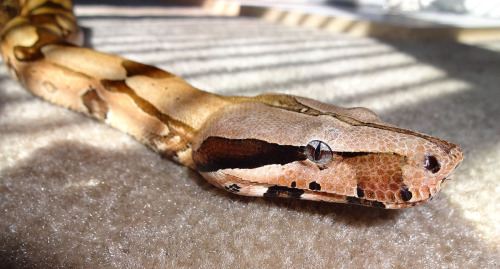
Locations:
column 269, row 145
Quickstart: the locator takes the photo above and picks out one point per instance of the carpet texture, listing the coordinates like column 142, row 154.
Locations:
column 76, row 193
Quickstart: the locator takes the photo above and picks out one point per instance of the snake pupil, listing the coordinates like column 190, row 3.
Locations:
column 319, row 152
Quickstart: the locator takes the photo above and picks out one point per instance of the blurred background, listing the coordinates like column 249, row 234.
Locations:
column 462, row 20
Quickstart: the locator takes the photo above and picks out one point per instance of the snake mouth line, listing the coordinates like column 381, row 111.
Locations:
column 325, row 196
column 452, row 173
column 407, row 205
column 385, row 205
column 266, row 190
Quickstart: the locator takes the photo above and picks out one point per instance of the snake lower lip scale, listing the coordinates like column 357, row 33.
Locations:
column 269, row 145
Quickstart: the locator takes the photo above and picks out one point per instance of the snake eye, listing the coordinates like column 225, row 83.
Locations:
column 318, row 152
column 432, row 164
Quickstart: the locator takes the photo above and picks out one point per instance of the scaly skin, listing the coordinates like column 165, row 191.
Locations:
column 270, row 145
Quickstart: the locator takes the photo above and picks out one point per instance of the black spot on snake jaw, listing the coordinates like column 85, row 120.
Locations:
column 360, row 192
column 294, row 184
column 377, row 204
column 234, row 188
column 406, row 194
column 353, row 200
column 280, row 191
column 314, row 186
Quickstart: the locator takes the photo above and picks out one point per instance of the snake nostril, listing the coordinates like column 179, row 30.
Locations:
column 432, row 164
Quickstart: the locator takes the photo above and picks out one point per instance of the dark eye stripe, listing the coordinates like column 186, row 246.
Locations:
column 216, row 153
column 221, row 153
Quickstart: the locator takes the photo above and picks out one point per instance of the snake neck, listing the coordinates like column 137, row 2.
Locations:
column 158, row 108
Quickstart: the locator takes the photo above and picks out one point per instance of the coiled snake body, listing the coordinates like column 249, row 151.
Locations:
column 269, row 145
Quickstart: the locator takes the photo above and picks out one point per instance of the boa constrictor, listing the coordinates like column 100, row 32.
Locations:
column 269, row 145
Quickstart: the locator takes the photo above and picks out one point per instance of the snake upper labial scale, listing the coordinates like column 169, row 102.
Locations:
column 270, row 145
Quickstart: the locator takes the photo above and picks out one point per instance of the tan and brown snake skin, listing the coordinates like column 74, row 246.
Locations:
column 270, row 145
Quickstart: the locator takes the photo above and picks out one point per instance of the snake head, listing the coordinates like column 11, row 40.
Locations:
column 287, row 146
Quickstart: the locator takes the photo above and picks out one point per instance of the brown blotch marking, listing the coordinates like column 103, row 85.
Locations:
column 375, row 171
column 135, row 68
column 34, row 52
column 95, row 105
column 217, row 153
column 121, row 87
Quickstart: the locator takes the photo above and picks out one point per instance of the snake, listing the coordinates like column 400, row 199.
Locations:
column 269, row 145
